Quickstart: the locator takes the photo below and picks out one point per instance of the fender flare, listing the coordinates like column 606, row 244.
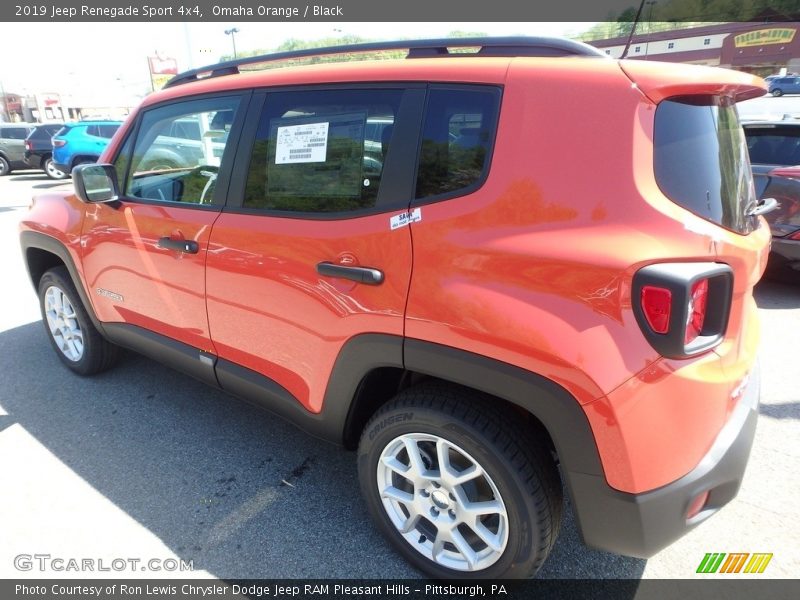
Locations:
column 40, row 241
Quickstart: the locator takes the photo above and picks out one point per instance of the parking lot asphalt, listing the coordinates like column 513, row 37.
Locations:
column 144, row 463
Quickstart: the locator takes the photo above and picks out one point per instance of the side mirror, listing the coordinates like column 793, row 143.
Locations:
column 96, row 183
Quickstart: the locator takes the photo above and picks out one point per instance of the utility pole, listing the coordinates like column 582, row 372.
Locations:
column 232, row 32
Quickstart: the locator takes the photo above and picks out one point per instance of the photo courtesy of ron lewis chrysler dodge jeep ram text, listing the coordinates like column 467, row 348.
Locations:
column 498, row 274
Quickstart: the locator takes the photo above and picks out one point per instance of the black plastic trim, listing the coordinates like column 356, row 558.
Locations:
column 185, row 246
column 177, row 355
column 366, row 275
column 357, row 358
column 489, row 46
column 678, row 278
column 557, row 409
column 40, row 241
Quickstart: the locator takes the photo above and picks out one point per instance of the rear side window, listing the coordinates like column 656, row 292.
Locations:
column 107, row 131
column 457, row 139
column 14, row 133
column 321, row 151
column 701, row 160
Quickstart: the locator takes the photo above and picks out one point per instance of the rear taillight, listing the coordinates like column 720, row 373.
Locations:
column 698, row 301
column 27, row 145
column 657, row 305
column 58, row 143
column 795, row 235
column 683, row 308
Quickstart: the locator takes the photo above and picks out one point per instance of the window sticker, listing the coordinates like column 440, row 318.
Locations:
column 307, row 143
column 405, row 218
column 331, row 169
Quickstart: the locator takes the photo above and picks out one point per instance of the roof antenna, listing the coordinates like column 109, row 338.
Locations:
column 633, row 29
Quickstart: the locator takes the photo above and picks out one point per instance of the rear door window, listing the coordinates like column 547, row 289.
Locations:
column 322, row 151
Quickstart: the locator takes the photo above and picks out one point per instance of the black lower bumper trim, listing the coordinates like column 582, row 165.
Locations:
column 642, row 524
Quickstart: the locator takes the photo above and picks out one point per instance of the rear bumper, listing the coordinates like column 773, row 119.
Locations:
column 785, row 254
column 62, row 168
column 642, row 524
column 34, row 161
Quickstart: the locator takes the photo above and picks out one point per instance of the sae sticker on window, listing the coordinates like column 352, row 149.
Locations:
column 306, row 143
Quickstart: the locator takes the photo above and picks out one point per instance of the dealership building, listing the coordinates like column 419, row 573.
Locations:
column 762, row 49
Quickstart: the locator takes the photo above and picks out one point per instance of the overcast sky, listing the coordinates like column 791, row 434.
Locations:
column 42, row 57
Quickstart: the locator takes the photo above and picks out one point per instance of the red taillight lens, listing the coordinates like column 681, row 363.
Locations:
column 795, row 235
column 656, row 305
column 697, row 310
column 58, row 143
column 27, row 145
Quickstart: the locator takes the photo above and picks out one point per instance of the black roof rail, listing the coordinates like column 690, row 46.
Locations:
column 495, row 46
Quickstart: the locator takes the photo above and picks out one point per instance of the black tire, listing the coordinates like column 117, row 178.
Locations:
column 98, row 354
column 520, row 467
column 777, row 92
column 5, row 168
column 51, row 171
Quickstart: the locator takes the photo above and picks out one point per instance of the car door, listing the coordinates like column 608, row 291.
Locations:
column 311, row 249
column 12, row 142
column 144, row 256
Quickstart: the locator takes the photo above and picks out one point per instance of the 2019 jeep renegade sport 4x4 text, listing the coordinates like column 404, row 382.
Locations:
column 495, row 275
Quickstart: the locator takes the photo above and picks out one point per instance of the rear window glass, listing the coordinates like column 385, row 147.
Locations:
column 771, row 146
column 701, row 160
column 44, row 132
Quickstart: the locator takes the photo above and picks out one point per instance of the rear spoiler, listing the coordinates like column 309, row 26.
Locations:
column 659, row 81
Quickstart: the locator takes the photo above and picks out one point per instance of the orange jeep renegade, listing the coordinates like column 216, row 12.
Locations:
column 497, row 273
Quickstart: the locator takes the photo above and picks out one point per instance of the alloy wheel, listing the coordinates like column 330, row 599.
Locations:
column 442, row 502
column 63, row 323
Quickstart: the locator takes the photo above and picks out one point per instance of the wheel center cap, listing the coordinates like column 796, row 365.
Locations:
column 440, row 499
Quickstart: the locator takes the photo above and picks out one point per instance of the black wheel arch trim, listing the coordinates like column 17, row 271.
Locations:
column 557, row 409
column 40, row 241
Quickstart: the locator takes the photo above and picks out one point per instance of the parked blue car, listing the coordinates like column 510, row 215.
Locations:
column 784, row 85
column 82, row 142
